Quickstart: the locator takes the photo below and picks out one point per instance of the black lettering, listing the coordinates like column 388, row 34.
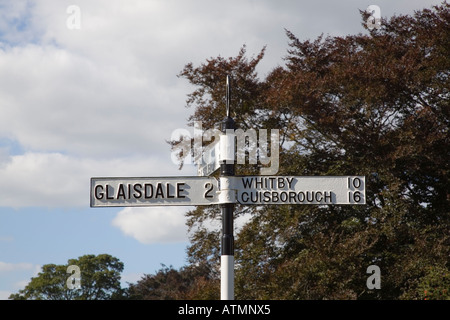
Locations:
column 107, row 195
column 168, row 192
column 289, row 182
column 309, row 193
column 320, row 196
column 281, row 183
column 121, row 192
column 258, row 184
column 207, row 193
column 357, row 196
column 246, row 196
column 159, row 191
column 247, row 182
column 327, row 196
column 274, row 197
column 266, row 196
column 98, row 195
column 285, row 196
column 137, row 190
column 355, row 182
column 292, row 196
column 180, row 188
column 301, row 196
column 148, row 187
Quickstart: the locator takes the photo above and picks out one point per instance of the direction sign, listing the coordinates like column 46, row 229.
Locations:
column 300, row 190
column 229, row 189
column 250, row 190
column 159, row 191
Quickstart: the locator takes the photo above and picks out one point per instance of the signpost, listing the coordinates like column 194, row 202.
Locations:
column 247, row 190
column 227, row 155
column 157, row 191
column 226, row 192
column 300, row 190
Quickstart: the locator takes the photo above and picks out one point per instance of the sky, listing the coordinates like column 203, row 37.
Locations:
column 90, row 89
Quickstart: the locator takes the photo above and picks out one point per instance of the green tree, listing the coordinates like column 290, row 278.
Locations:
column 375, row 105
column 99, row 280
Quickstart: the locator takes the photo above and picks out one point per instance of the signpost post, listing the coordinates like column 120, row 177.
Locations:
column 226, row 192
column 227, row 197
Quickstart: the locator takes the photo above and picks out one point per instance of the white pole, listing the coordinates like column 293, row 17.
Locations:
column 227, row 278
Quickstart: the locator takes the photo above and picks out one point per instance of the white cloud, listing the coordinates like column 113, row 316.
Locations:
column 8, row 267
column 110, row 88
column 54, row 100
column 153, row 225
column 58, row 180
column 10, row 271
column 162, row 224
column 103, row 99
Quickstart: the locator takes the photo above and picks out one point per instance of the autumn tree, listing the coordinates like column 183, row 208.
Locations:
column 189, row 282
column 374, row 104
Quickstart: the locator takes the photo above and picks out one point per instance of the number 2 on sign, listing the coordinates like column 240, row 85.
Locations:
column 209, row 187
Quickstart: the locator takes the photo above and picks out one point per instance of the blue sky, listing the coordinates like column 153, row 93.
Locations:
column 101, row 100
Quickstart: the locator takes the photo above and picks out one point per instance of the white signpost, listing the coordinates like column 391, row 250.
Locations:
column 156, row 191
column 226, row 192
column 300, row 190
column 249, row 190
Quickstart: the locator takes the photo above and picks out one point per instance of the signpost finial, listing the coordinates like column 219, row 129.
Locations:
column 228, row 96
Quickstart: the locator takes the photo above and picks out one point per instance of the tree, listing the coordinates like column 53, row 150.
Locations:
column 190, row 282
column 99, row 280
column 375, row 105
